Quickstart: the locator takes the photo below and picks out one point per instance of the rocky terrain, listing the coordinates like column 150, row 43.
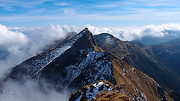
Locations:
column 104, row 90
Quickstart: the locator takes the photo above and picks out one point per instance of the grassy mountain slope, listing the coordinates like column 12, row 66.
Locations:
column 140, row 57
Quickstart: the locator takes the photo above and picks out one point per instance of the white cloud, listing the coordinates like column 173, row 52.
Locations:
column 107, row 6
column 30, row 91
column 129, row 34
column 62, row 4
column 13, row 43
column 11, row 39
column 131, row 12
column 9, row 4
column 22, row 43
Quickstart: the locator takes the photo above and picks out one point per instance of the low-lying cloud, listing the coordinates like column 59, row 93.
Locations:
column 18, row 44
column 129, row 34
column 30, row 91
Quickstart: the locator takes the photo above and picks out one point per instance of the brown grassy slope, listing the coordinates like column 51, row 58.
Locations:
column 146, row 59
column 126, row 74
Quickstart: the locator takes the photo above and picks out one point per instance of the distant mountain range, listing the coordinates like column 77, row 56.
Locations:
column 151, row 40
column 168, row 54
column 104, row 67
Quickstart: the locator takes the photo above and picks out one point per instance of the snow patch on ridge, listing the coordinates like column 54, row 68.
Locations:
column 35, row 65
column 74, row 71
column 92, row 92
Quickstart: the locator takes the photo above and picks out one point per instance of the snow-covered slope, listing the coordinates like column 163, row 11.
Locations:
column 78, row 59
column 35, row 64
column 84, row 63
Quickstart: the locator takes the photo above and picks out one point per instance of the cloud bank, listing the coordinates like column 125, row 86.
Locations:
column 18, row 44
column 129, row 34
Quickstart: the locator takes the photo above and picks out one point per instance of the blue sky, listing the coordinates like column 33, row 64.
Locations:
column 110, row 13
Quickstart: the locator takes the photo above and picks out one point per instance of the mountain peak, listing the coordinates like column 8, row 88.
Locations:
column 86, row 41
column 85, row 30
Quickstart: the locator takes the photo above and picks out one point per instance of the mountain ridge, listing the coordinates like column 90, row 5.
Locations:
column 139, row 56
column 79, row 62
